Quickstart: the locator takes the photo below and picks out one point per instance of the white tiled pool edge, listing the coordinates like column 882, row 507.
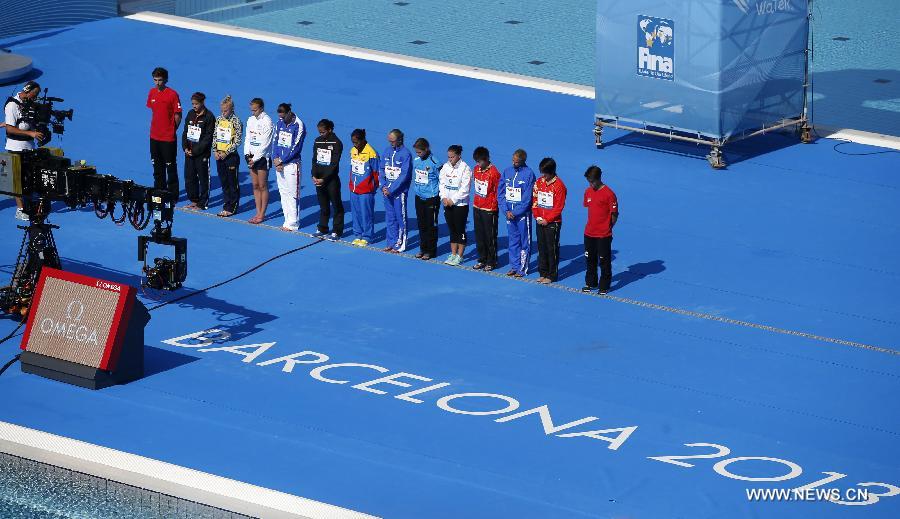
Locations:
column 162, row 477
column 560, row 87
column 860, row 137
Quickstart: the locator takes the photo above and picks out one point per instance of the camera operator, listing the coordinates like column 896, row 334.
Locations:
column 166, row 108
column 19, row 134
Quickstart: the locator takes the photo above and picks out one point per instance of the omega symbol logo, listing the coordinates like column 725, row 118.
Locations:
column 75, row 310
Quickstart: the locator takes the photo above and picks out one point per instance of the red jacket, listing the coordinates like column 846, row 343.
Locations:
column 163, row 104
column 602, row 204
column 549, row 199
column 484, row 184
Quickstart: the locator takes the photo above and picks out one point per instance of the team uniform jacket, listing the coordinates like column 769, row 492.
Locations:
column 259, row 137
column 228, row 134
column 484, row 183
column 602, row 204
column 515, row 190
column 456, row 182
column 288, row 141
column 327, row 150
column 163, row 105
column 396, row 170
column 549, row 199
column 363, row 170
column 426, row 176
column 198, row 133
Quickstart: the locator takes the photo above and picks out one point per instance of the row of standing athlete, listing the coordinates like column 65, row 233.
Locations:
column 516, row 194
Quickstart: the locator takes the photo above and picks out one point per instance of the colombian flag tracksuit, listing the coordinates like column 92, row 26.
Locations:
column 363, row 183
column 287, row 145
column 396, row 169
column 514, row 194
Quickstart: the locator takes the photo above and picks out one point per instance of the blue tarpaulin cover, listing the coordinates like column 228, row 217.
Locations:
column 710, row 67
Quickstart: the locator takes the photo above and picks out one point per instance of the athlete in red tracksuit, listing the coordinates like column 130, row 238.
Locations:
column 548, row 201
column 603, row 213
column 485, row 181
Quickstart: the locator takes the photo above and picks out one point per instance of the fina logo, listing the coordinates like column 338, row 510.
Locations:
column 656, row 47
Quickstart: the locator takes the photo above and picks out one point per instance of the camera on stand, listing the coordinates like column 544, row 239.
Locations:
column 41, row 176
column 164, row 273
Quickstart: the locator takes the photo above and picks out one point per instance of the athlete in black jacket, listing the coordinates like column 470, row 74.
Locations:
column 327, row 151
column 196, row 140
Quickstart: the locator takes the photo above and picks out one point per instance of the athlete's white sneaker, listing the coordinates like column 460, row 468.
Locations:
column 20, row 215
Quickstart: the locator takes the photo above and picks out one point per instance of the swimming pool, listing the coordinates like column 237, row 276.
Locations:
column 856, row 77
column 34, row 490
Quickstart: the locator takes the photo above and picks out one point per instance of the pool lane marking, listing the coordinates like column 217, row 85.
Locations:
column 618, row 299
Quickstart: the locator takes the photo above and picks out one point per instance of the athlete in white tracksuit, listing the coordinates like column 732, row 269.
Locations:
column 286, row 147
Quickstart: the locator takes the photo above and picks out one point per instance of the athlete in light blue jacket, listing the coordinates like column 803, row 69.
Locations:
column 426, row 181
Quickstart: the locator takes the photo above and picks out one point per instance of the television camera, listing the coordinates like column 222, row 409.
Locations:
column 41, row 116
column 42, row 176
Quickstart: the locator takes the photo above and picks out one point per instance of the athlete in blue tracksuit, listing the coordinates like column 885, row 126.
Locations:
column 514, row 200
column 286, row 147
column 396, row 173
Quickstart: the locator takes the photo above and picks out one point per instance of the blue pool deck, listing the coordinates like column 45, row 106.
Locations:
column 753, row 309
column 855, row 62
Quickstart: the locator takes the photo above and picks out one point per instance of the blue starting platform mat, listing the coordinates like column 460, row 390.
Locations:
column 750, row 344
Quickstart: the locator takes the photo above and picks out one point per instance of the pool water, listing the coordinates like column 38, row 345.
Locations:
column 856, row 76
column 33, row 490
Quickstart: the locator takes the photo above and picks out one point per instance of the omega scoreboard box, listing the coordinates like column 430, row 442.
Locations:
column 84, row 331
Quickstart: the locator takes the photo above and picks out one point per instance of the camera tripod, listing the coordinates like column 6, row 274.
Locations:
column 38, row 250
